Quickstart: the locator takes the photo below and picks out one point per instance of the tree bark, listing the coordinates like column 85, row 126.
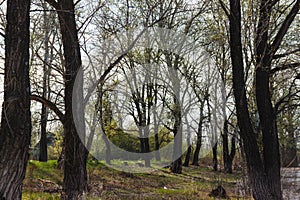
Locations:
column 267, row 116
column 15, row 130
column 258, row 180
column 75, row 174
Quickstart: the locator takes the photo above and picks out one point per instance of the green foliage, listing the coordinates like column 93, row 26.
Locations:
column 55, row 149
column 121, row 139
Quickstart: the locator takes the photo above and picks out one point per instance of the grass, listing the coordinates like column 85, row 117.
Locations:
column 43, row 182
column 40, row 196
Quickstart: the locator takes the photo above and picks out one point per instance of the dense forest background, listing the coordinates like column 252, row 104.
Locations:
column 151, row 84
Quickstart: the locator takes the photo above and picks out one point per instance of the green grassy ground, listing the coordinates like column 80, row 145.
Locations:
column 43, row 181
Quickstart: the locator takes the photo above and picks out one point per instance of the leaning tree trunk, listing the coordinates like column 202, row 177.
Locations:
column 188, row 156
column 197, row 151
column 75, row 174
column 16, row 118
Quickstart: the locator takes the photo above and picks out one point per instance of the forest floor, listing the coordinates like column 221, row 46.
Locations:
column 44, row 180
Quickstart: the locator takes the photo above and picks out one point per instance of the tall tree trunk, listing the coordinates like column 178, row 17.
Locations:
column 43, row 153
column 267, row 116
column 264, row 173
column 254, row 163
column 258, row 179
column 75, row 174
column 16, row 118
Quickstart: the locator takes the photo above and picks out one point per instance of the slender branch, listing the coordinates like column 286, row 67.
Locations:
column 77, row 2
column 89, row 18
column 284, row 67
column 2, row 2
column 43, row 10
column 53, row 3
column 286, row 98
column 277, row 56
column 284, row 27
column 50, row 105
column 224, row 7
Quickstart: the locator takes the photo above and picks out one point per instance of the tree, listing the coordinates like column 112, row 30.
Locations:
column 16, row 118
column 43, row 153
column 142, row 99
column 264, row 173
column 228, row 156
column 46, row 71
column 75, row 174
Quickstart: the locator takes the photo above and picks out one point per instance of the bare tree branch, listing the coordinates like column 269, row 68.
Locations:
column 284, row 27
column 224, row 7
column 277, row 56
column 77, row 2
column 53, row 3
column 89, row 18
column 50, row 105
column 284, row 67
